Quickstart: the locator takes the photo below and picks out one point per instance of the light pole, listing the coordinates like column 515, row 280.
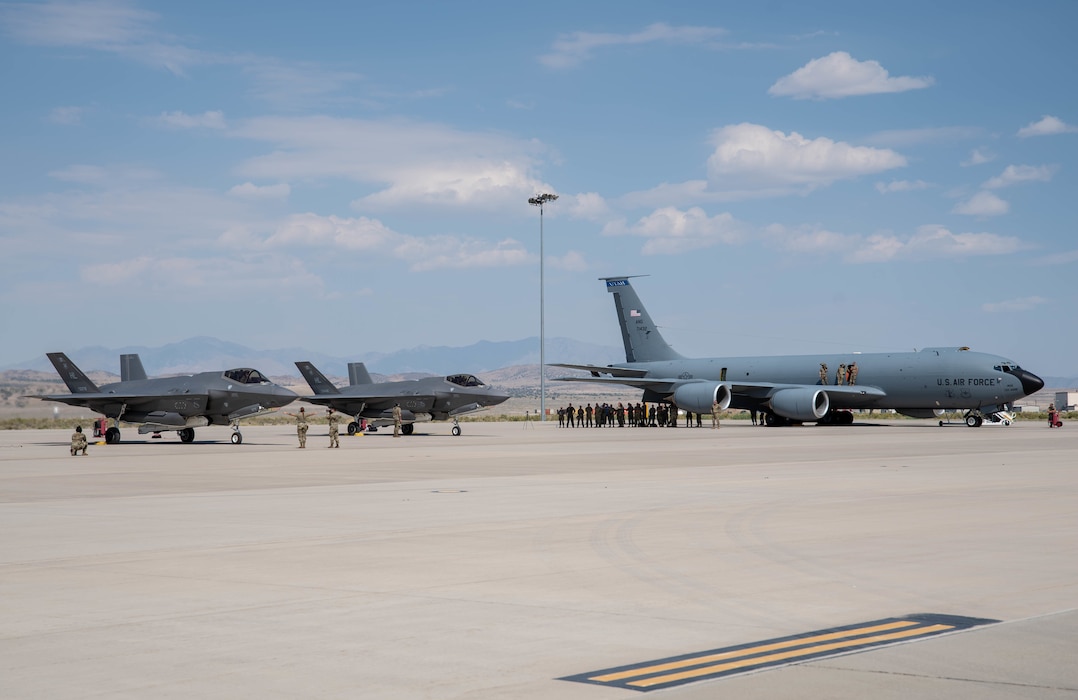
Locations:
column 539, row 200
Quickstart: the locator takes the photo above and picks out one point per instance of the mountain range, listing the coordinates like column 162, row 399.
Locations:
column 201, row 354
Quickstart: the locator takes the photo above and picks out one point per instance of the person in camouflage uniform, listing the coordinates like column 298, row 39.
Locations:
column 334, row 427
column 301, row 426
column 397, row 420
column 78, row 441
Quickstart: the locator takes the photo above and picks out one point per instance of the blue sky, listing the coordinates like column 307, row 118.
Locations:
column 353, row 177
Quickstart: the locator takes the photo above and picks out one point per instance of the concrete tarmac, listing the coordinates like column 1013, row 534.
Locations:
column 498, row 563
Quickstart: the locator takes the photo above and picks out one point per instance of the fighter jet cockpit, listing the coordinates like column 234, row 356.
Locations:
column 246, row 375
column 464, row 380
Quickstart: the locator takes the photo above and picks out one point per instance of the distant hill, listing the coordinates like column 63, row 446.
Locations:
column 203, row 354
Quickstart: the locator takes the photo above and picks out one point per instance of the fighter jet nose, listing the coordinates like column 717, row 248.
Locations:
column 284, row 396
column 495, row 398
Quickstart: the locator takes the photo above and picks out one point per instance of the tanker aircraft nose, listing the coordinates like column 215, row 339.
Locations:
column 1031, row 383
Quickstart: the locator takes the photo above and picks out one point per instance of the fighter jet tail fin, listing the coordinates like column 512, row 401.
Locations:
column 77, row 381
column 131, row 368
column 358, row 374
column 643, row 342
column 319, row 384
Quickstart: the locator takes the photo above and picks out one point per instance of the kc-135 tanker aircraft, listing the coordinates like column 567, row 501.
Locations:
column 430, row 398
column 180, row 403
column 808, row 388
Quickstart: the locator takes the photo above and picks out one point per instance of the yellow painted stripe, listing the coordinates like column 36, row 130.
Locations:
column 697, row 660
column 719, row 668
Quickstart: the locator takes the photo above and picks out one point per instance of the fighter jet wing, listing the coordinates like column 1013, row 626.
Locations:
column 132, row 400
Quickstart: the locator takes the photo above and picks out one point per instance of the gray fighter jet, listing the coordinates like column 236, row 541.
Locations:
column 180, row 403
column 808, row 388
column 431, row 398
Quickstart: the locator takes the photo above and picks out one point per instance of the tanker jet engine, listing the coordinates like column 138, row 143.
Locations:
column 427, row 399
column 808, row 388
column 180, row 403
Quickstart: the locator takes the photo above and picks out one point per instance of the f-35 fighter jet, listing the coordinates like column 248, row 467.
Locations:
column 427, row 399
column 180, row 403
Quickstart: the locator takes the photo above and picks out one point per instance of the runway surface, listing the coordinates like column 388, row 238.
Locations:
column 526, row 561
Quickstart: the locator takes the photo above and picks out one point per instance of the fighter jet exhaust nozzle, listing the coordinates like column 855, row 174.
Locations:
column 698, row 396
column 803, row 404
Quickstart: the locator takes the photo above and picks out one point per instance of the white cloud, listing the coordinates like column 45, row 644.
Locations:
column 113, row 26
column 253, row 191
column 68, row 116
column 335, row 232
column 206, row 278
column 901, row 186
column 572, row 261
column 670, row 230
column 1014, row 174
column 840, row 75
column 932, row 241
column 413, row 163
column 572, row 49
column 371, row 236
column 588, row 205
column 84, row 24
column 85, row 174
column 1047, row 126
column 289, row 84
column 808, row 239
column 978, row 156
column 1020, row 304
column 182, row 120
column 748, row 154
column 928, row 242
column 982, row 204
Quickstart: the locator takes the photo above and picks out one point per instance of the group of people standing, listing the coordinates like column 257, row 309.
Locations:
column 845, row 374
column 638, row 415
column 333, row 419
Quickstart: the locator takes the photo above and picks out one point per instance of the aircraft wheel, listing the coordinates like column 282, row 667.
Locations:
column 407, row 428
column 237, row 438
column 979, row 421
column 456, row 430
column 112, row 436
column 941, row 424
column 971, row 421
column 353, row 428
column 187, row 435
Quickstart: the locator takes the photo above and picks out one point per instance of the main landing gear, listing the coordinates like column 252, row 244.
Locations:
column 112, row 436
column 975, row 418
